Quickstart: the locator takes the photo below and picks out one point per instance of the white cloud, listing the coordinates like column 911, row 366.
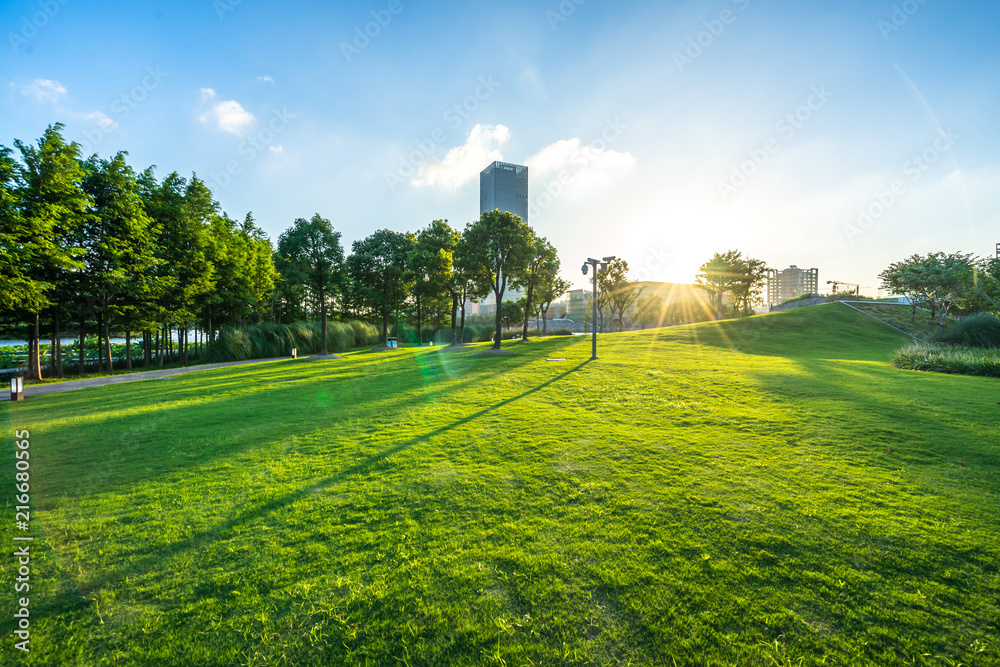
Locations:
column 104, row 121
column 229, row 115
column 43, row 90
column 265, row 79
column 463, row 163
column 579, row 166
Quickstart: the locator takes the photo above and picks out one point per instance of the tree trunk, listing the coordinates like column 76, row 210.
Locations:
column 211, row 337
column 462, row 331
column 913, row 314
column 160, row 340
column 499, row 321
column 527, row 313
column 420, row 338
column 385, row 327
column 128, row 348
column 454, row 315
column 53, row 371
column 83, row 340
column 545, row 320
column 100, row 346
column 59, row 357
column 107, row 343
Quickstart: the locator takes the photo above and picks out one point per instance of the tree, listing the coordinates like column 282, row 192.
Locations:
column 494, row 247
column 550, row 288
column 716, row 277
column 315, row 259
column 651, row 310
column 119, row 247
column 53, row 207
column 512, row 312
column 377, row 265
column 939, row 280
column 615, row 291
column 748, row 280
column 430, row 261
column 543, row 260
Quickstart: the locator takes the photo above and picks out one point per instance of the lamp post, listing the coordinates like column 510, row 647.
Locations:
column 598, row 264
column 17, row 389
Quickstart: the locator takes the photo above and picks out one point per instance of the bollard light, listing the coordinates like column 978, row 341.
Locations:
column 17, row 389
column 295, row 353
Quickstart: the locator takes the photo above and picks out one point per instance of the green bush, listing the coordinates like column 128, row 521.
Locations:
column 954, row 359
column 560, row 332
column 277, row 340
column 979, row 330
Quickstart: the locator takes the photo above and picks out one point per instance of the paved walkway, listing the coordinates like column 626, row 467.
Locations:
column 55, row 387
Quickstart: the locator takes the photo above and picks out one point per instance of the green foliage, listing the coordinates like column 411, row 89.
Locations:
column 954, row 359
column 980, row 330
column 277, row 340
column 492, row 249
column 377, row 266
column 731, row 273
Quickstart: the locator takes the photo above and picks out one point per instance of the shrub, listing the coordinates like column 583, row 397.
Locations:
column 560, row 332
column 980, row 330
column 948, row 359
column 277, row 340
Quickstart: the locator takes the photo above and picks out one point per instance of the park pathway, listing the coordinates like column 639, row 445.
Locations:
column 55, row 387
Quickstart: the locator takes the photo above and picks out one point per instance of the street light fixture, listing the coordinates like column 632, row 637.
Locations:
column 598, row 265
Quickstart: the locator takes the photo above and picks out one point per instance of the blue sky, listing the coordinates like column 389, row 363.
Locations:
column 841, row 136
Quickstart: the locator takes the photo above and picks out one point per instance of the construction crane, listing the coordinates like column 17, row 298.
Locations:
column 838, row 283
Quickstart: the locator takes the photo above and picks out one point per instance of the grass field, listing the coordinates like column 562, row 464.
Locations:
column 768, row 491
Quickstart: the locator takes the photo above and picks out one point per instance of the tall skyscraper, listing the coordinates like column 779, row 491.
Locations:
column 504, row 186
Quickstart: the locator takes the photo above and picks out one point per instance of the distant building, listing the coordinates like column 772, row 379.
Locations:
column 503, row 186
column 790, row 283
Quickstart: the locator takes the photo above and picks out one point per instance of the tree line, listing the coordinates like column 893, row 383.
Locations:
column 946, row 283
column 90, row 246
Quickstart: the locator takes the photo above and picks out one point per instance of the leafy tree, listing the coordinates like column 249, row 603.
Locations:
column 543, row 260
column 717, row 276
column 550, row 288
column 492, row 248
column 119, row 247
column 53, row 206
column 315, row 259
column 377, row 265
column 430, row 261
column 616, row 291
column 512, row 312
column 748, row 280
column 651, row 310
column 939, row 280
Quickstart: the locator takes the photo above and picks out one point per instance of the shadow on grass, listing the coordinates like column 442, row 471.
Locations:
column 150, row 557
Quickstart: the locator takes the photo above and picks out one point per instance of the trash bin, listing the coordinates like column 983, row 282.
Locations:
column 392, row 342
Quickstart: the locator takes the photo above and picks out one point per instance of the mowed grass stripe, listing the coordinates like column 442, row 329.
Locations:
column 721, row 493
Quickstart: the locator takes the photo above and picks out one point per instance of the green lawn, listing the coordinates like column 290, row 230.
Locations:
column 713, row 494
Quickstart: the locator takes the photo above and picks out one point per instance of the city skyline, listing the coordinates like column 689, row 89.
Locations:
column 844, row 137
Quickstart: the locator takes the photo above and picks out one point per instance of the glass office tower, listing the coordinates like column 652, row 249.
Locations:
column 504, row 186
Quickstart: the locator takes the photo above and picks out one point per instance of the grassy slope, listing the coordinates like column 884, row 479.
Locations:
column 712, row 494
